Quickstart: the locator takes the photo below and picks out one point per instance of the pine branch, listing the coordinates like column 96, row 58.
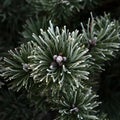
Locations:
column 17, row 69
column 58, row 58
column 79, row 104
column 101, row 37
column 57, row 62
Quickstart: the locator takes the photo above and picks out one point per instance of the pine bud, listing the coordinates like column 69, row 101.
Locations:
column 26, row 67
column 53, row 65
column 64, row 59
column 54, row 57
column 59, row 59
column 92, row 43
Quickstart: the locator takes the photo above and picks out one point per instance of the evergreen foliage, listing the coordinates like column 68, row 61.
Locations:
column 52, row 72
column 33, row 26
column 17, row 67
column 77, row 105
column 60, row 57
column 61, row 12
column 101, row 37
column 58, row 61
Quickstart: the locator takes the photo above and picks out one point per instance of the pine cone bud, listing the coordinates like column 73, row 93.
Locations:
column 59, row 59
column 91, row 44
column 64, row 59
column 53, row 65
column 26, row 67
column 54, row 57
